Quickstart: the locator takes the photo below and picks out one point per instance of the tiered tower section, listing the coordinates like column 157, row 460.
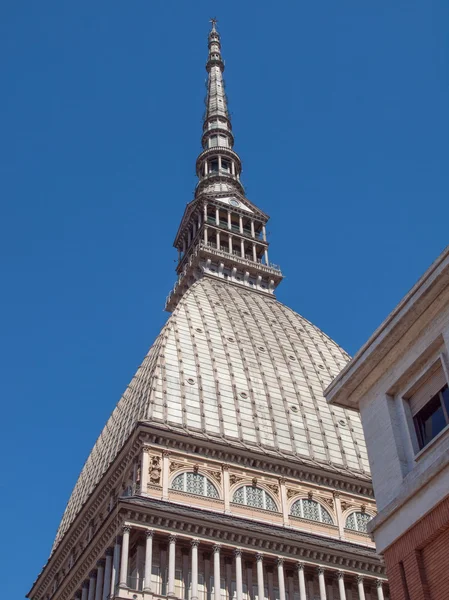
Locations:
column 222, row 234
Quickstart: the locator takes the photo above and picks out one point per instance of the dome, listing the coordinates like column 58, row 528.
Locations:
column 237, row 368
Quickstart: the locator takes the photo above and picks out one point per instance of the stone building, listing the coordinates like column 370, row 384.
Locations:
column 222, row 472
column 399, row 379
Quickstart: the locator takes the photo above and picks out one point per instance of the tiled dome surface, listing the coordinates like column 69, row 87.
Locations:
column 240, row 368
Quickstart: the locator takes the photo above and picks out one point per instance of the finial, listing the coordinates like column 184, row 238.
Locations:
column 214, row 21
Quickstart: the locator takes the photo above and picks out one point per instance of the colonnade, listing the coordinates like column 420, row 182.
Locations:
column 112, row 574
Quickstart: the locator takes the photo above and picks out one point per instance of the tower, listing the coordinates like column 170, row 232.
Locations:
column 222, row 471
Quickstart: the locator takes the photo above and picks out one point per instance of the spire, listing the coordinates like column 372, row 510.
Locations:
column 222, row 234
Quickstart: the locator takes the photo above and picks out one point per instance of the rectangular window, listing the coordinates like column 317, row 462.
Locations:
column 213, row 166
column 429, row 405
column 225, row 166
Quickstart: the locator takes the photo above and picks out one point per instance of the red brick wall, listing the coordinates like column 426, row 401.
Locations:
column 418, row 562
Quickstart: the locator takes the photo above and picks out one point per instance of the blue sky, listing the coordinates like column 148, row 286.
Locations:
column 340, row 112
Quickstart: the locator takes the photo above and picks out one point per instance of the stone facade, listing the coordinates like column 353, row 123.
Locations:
column 399, row 382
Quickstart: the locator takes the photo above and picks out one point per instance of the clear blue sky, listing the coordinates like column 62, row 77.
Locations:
column 340, row 112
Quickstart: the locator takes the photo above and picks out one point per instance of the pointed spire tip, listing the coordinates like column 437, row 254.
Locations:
column 214, row 22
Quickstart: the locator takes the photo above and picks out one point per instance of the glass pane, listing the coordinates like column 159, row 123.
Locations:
column 350, row 522
column 310, row 508
column 178, row 482
column 362, row 521
column 430, row 420
column 296, row 508
column 239, row 497
column 445, row 394
column 326, row 516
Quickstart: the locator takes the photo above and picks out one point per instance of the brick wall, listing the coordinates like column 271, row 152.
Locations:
column 418, row 562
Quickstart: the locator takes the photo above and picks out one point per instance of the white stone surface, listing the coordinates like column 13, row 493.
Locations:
column 239, row 368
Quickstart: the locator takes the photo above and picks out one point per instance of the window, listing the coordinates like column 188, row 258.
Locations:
column 250, row 495
column 225, row 166
column 311, row 509
column 357, row 521
column 214, row 166
column 429, row 405
column 194, row 483
column 213, row 141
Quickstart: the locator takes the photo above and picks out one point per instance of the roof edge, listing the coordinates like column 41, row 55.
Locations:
column 343, row 389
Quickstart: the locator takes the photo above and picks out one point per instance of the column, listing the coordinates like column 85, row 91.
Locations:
column 241, row 223
column 107, row 575
column 85, row 590
column 140, row 566
column 194, row 544
column 205, row 212
column 264, row 233
column 341, row 585
column 266, row 256
column 115, row 566
column 100, row 577
column 219, row 163
column 301, row 581
column 185, row 552
column 228, row 566
column 360, row 587
column 165, row 473
column 163, row 568
column 270, row 582
column 380, row 591
column 123, row 579
column 238, row 573
column 91, row 594
column 242, row 247
column 290, row 585
column 253, row 233
column 171, row 564
column 254, row 253
column 233, row 167
column 260, row 583
column 217, row 584
column 205, row 168
column 230, row 243
column 284, row 505
column 229, row 220
column 321, row 583
column 206, row 560
column 217, row 216
column 148, row 560
column 218, row 241
column 280, row 563
column 249, row 579
column 199, row 220
column 226, row 486
column 338, row 512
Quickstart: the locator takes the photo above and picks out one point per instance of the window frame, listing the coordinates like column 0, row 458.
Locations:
column 206, row 480
column 245, row 486
column 321, row 508
column 358, row 512
column 419, row 423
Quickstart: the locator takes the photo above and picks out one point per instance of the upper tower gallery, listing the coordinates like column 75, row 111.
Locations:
column 222, row 234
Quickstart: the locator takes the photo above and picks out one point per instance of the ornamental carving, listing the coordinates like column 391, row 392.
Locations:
column 329, row 502
column 274, row 488
column 155, row 470
column 345, row 505
column 175, row 465
column 291, row 493
column 216, row 475
column 234, row 479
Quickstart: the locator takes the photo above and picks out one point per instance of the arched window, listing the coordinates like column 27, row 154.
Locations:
column 250, row 495
column 358, row 521
column 311, row 509
column 194, row 483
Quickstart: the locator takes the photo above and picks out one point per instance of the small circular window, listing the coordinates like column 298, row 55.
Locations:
column 321, row 366
column 231, row 339
column 291, row 357
column 294, row 408
column 190, row 380
column 243, row 394
column 261, row 348
column 342, row 423
column 198, row 330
